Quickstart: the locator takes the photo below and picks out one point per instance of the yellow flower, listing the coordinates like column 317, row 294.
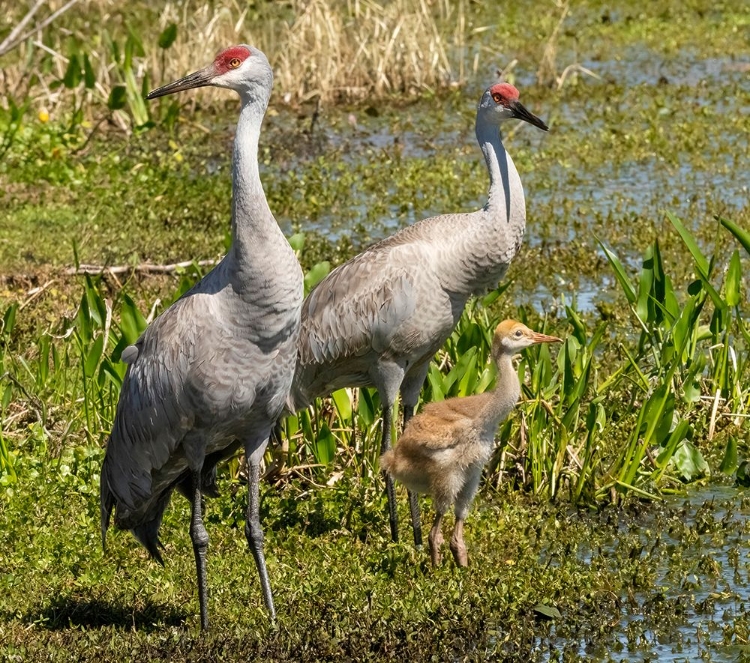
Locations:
column 43, row 115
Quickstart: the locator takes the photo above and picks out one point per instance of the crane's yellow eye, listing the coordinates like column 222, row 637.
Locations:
column 234, row 63
column 497, row 98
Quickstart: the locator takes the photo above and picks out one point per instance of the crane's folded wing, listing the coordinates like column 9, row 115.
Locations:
column 357, row 308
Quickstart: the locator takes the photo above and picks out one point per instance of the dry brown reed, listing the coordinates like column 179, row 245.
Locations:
column 331, row 49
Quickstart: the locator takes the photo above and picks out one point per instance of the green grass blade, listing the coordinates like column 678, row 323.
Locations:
column 692, row 245
column 620, row 274
column 743, row 237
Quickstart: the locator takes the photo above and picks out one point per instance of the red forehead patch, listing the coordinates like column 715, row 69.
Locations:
column 505, row 90
column 228, row 59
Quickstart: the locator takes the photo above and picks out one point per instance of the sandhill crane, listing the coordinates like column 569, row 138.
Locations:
column 213, row 371
column 443, row 449
column 378, row 319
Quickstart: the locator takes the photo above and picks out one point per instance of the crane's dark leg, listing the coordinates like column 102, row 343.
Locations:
column 253, row 530
column 199, row 537
column 416, row 523
column 390, row 489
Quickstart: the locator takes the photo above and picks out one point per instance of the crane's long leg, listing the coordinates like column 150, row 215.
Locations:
column 389, row 486
column 416, row 524
column 253, row 530
column 199, row 537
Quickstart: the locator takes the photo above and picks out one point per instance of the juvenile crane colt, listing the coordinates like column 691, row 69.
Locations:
column 443, row 449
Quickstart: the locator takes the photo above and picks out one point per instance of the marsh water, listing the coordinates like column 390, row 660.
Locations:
column 693, row 602
column 602, row 170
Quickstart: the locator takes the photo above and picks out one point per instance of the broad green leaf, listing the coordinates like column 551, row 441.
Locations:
column 297, row 241
column 168, row 36
column 7, row 395
column 325, row 445
column 93, row 356
column 366, row 407
column 316, row 274
column 117, row 98
column 579, row 329
column 733, row 280
column 9, row 320
column 689, row 462
column 729, row 462
column 136, row 102
column 435, row 379
column 72, row 76
column 132, row 322
column 343, row 405
column 89, row 78
column 113, row 372
column 550, row 612
column 291, row 425
column 469, row 378
column 490, row 297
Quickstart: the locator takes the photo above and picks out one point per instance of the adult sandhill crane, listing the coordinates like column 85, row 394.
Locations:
column 378, row 319
column 443, row 449
column 214, row 370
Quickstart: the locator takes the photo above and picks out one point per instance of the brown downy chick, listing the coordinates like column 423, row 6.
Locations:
column 443, row 449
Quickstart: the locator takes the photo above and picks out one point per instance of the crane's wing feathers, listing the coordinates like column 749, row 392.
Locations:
column 151, row 420
column 179, row 382
column 357, row 308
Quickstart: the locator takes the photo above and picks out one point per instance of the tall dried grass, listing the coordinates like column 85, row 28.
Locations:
column 332, row 49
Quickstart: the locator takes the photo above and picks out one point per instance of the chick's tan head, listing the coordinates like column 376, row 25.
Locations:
column 512, row 336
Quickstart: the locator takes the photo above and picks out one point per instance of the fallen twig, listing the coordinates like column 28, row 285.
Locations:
column 34, row 293
column 143, row 268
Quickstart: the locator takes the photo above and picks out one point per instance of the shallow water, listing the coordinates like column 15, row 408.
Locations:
column 605, row 161
column 701, row 593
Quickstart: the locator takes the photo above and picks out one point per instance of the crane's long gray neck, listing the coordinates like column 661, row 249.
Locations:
column 252, row 220
column 498, row 200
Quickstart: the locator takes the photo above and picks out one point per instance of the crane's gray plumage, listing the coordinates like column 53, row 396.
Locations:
column 212, row 372
column 379, row 318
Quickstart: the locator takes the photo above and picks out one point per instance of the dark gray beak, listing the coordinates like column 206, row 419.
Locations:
column 198, row 79
column 521, row 113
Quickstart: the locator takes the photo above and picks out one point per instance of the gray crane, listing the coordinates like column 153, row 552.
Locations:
column 378, row 319
column 213, row 371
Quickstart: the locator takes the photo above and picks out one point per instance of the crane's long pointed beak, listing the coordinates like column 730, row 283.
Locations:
column 544, row 338
column 197, row 79
column 520, row 111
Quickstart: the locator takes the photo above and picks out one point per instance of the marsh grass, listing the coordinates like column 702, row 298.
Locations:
column 585, row 431
column 325, row 49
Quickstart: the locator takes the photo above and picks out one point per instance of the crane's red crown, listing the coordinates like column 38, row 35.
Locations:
column 503, row 93
column 231, row 58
